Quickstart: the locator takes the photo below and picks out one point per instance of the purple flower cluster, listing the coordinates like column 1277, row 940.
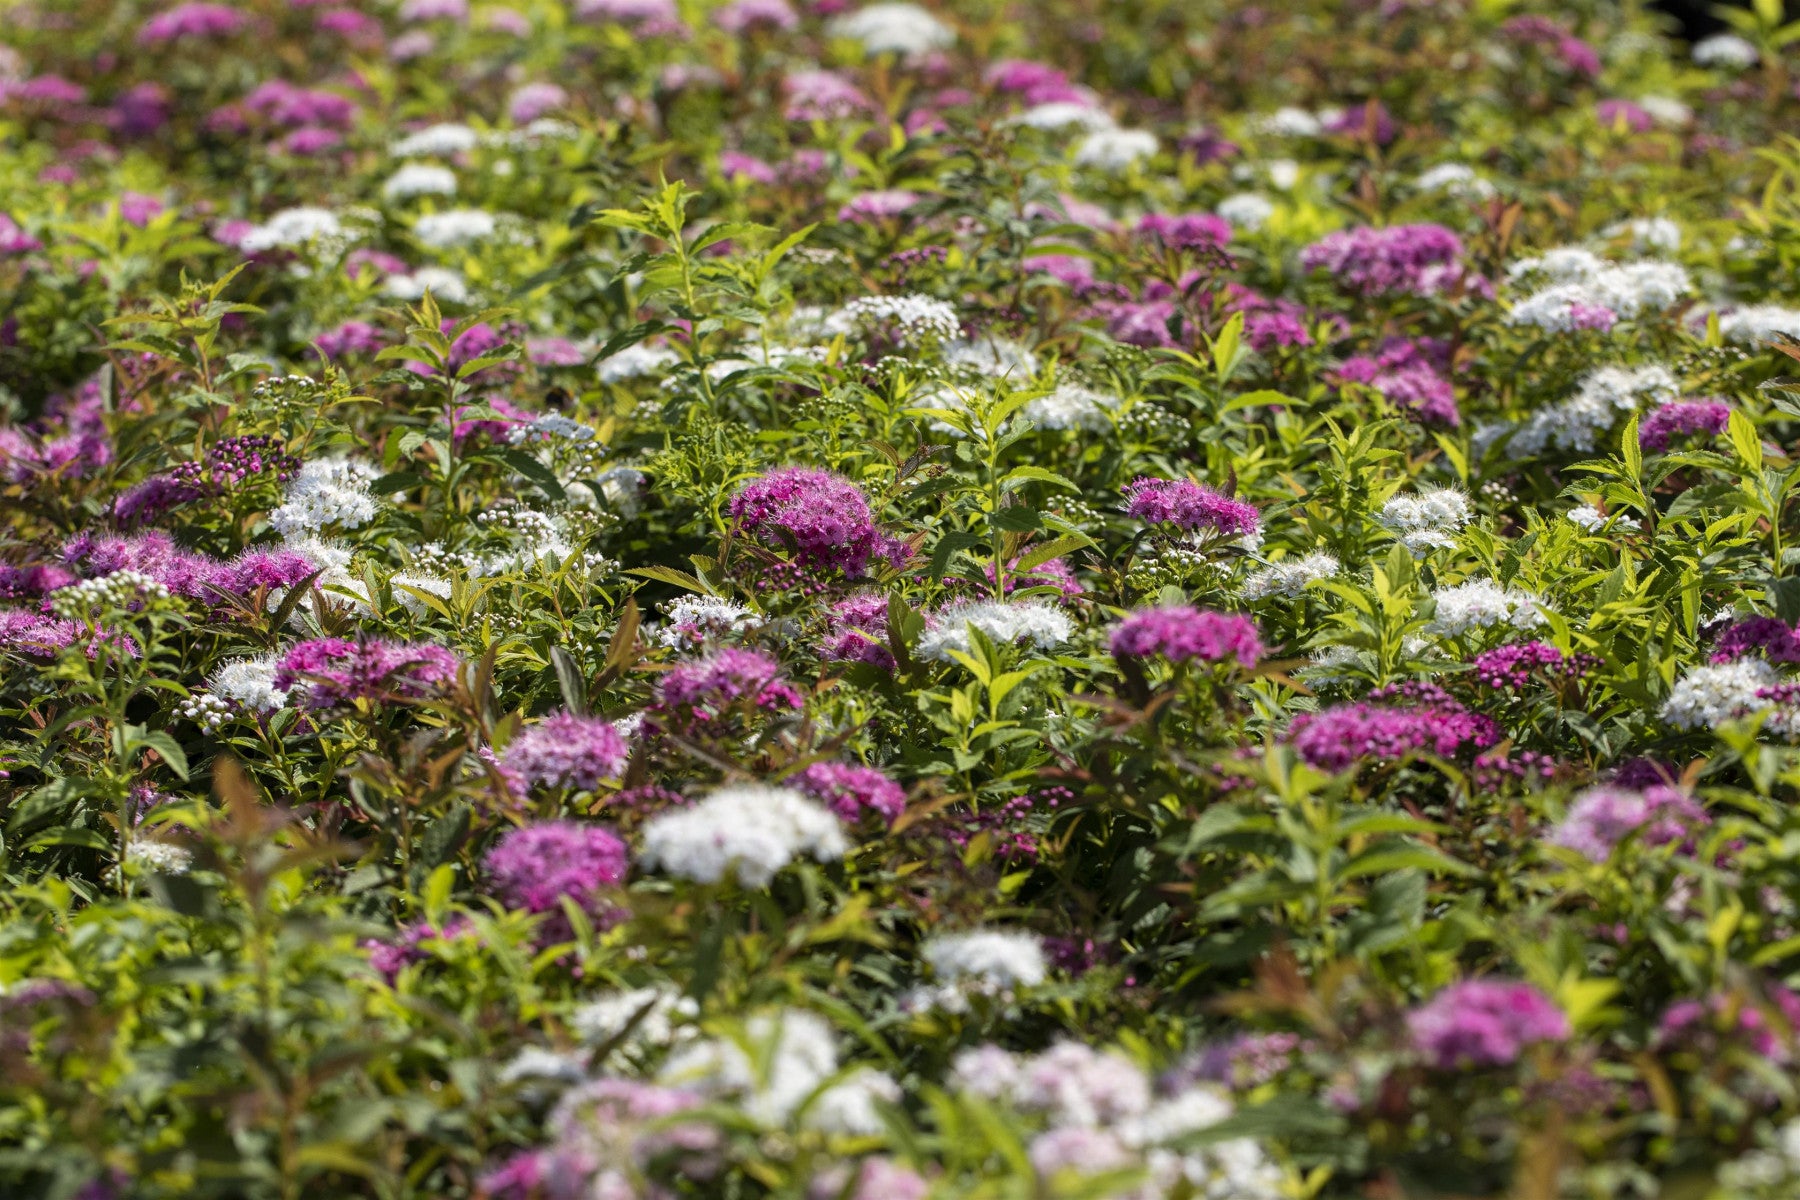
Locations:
column 34, row 634
column 567, row 751
column 534, row 867
column 1370, row 120
column 1602, row 817
column 335, row 673
column 852, row 791
column 1180, row 633
column 823, row 519
column 1484, row 1023
column 406, row 947
column 1511, row 667
column 1269, row 324
column 186, row 21
column 1189, row 506
column 1419, row 260
column 692, row 694
column 1708, row 417
column 1199, row 232
column 184, row 573
column 1408, row 373
column 1767, row 1028
column 857, row 631
column 1426, row 719
column 225, row 467
column 1246, row 1061
column 1771, row 637
column 1575, row 55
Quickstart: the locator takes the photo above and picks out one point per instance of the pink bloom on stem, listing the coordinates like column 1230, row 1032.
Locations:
column 1484, row 1023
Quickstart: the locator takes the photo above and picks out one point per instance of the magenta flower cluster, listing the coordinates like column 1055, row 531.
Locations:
column 567, row 751
column 1511, row 667
column 1200, row 232
column 694, row 693
column 1180, row 634
column 1419, row 260
column 1768, row 1029
column 1602, row 817
column 1189, row 506
column 335, row 673
column 185, row 573
column 1770, row 637
column 186, row 21
column 857, row 631
column 1707, row 417
column 1407, row 373
column 1484, row 1023
column 852, row 791
column 1425, row 719
column 534, row 867
column 822, row 519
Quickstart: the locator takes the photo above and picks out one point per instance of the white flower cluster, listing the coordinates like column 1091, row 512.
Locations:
column 1427, row 520
column 1455, row 179
column 551, row 427
column 1042, row 625
column 249, row 683
column 697, row 619
column 295, row 228
column 1287, row 122
column 1725, row 50
column 1757, row 323
column 1708, row 696
column 1649, row 233
column 636, row 1020
column 1114, row 150
column 436, row 141
column 911, row 320
column 1483, row 604
column 622, row 488
column 1104, row 1116
column 1290, row 576
column 796, row 1058
column 163, row 857
column 991, row 960
column 1579, row 279
column 1577, row 423
column 419, row 179
column 1587, row 517
column 1073, row 406
column 1773, row 1173
column 894, row 28
column 441, row 282
column 458, row 227
column 327, row 492
column 120, row 591
column 749, row 831
column 997, row 357
column 1248, row 211
column 1065, row 114
column 636, row 361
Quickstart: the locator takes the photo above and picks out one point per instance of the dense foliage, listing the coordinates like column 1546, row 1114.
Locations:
column 1072, row 598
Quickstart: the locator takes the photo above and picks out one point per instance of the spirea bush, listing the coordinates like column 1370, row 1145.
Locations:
column 824, row 600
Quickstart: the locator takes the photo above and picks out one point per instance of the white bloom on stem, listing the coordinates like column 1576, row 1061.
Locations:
column 1042, row 625
column 1483, row 604
column 992, row 959
column 1291, row 576
column 1115, row 149
column 436, row 141
column 419, row 179
column 894, row 28
column 1708, row 696
column 749, row 832
column 327, row 492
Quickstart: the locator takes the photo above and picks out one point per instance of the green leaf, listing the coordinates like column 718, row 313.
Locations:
column 1745, row 441
column 535, row 471
column 569, row 680
column 680, row 579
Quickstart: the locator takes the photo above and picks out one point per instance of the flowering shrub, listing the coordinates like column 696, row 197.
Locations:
column 845, row 600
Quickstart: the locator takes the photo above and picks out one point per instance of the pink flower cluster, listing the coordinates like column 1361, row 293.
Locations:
column 1768, row 1029
column 1419, row 260
column 567, row 751
column 1189, row 506
column 1511, row 667
column 857, row 631
column 534, row 867
column 692, row 694
column 1484, row 1023
column 335, row 673
column 1771, row 637
column 186, row 21
column 1407, row 373
column 1602, row 817
column 1426, row 719
column 1180, row 633
column 1708, row 417
column 822, row 519
column 852, row 791
column 1201, row 232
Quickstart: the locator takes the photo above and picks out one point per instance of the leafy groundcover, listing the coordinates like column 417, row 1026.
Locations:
column 1012, row 599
